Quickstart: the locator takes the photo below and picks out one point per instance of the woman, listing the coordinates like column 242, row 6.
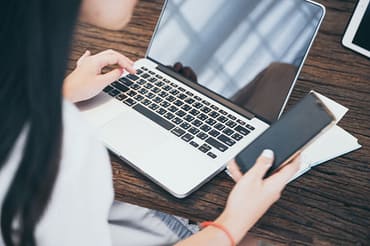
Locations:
column 55, row 178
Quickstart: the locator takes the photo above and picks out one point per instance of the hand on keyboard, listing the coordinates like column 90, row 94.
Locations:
column 87, row 80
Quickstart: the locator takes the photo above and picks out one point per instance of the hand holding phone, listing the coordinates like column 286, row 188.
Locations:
column 289, row 135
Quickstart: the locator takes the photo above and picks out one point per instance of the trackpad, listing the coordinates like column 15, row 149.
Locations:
column 132, row 135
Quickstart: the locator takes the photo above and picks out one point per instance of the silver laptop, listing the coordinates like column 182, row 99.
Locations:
column 216, row 74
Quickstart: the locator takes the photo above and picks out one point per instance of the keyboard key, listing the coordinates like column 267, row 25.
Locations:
column 169, row 116
column 226, row 140
column 144, row 68
column 210, row 121
column 145, row 75
column 197, row 98
column 182, row 96
column 178, row 132
column 139, row 71
column 146, row 102
column 213, row 156
column 120, row 86
column 185, row 125
column 187, row 137
column 150, row 95
column 157, row 100
column 166, row 80
column 222, row 119
column 174, row 92
column 219, row 126
column 197, row 123
column 194, row 112
column 138, row 98
column 132, row 77
column 152, row 73
column 223, row 112
column 174, row 85
column 172, row 109
column 159, row 84
column 214, row 114
column 143, row 91
column 237, row 137
column 205, row 128
column 159, row 76
column 126, row 81
column 131, row 93
column 205, row 148
column 178, row 103
column 228, row 132
column 163, row 94
column 197, row 105
column 170, row 98
column 153, row 106
column 141, row 82
column 148, row 86
column 165, row 104
column 231, row 124
column 242, row 130
column 202, row 116
column 156, row 89
column 202, row 135
column 214, row 133
column 114, row 92
column 135, row 87
column 108, row 89
column 167, row 88
column 190, row 100
column 181, row 89
column 177, row 121
column 129, row 101
column 161, row 111
column 186, row 107
column 241, row 122
column 121, row 97
column 206, row 102
column 250, row 127
column 214, row 107
column 232, row 117
column 180, row 113
column 152, row 79
column 206, row 110
column 188, row 118
column 189, row 94
column 194, row 144
column 193, row 130
column 216, row 144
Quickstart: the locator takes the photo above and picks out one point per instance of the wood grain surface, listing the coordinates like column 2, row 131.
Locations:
column 330, row 205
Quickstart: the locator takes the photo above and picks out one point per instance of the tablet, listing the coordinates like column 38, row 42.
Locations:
column 357, row 36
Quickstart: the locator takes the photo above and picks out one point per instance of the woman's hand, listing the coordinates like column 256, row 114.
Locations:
column 87, row 80
column 253, row 195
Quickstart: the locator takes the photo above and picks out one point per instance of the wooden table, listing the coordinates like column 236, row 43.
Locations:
column 330, row 205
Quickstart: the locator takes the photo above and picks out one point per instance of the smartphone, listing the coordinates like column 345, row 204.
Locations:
column 289, row 135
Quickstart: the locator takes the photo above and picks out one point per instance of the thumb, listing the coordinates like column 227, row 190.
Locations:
column 263, row 163
column 107, row 78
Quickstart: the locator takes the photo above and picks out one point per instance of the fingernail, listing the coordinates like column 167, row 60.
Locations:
column 268, row 153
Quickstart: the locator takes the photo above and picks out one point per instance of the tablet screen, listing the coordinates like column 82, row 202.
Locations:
column 362, row 37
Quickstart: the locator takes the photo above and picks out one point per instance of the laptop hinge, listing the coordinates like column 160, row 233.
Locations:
column 205, row 91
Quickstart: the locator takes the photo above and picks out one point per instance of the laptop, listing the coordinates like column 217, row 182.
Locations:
column 216, row 74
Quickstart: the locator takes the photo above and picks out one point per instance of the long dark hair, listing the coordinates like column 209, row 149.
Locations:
column 35, row 37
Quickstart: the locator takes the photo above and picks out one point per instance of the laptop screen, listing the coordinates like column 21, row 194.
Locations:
column 248, row 52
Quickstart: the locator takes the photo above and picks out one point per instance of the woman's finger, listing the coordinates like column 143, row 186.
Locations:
column 234, row 170
column 107, row 78
column 263, row 163
column 111, row 57
column 80, row 60
column 282, row 176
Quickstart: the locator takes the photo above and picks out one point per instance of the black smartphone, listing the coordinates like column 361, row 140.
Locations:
column 287, row 136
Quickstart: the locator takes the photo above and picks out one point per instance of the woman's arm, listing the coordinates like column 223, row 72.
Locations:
column 248, row 201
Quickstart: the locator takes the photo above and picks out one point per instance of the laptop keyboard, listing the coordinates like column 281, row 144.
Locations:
column 189, row 117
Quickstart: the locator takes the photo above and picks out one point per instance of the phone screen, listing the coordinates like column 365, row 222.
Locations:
column 362, row 37
column 289, row 134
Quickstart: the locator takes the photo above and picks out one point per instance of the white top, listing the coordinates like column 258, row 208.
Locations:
column 83, row 192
